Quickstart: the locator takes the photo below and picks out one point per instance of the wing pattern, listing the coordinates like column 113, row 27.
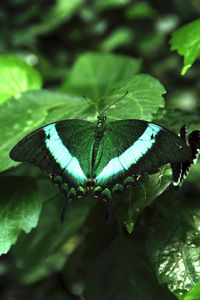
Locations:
column 67, row 162
column 57, row 148
column 132, row 147
column 131, row 155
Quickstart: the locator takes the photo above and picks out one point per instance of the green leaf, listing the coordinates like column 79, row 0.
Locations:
column 119, row 38
column 135, row 199
column 60, row 239
column 174, row 243
column 143, row 100
column 61, row 12
column 144, row 92
column 16, row 76
column 20, row 206
column 123, row 273
column 151, row 43
column 140, row 10
column 194, row 293
column 30, row 111
column 107, row 4
column 186, row 41
column 95, row 75
column 174, row 119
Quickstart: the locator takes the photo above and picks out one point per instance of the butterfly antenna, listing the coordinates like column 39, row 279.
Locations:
column 114, row 102
column 89, row 103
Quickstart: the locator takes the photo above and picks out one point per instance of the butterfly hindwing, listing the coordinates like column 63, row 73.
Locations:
column 58, row 148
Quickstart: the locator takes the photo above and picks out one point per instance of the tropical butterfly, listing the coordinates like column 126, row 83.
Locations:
column 104, row 157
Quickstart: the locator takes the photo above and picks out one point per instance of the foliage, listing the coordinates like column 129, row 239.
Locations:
column 186, row 41
column 17, row 214
column 16, row 77
column 152, row 248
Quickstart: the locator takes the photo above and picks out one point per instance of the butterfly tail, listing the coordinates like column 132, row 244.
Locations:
column 194, row 144
column 177, row 167
column 176, row 173
column 181, row 170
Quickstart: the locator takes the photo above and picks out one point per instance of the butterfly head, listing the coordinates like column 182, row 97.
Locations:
column 101, row 119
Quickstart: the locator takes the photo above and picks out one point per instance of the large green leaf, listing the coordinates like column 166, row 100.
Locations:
column 89, row 77
column 95, row 74
column 174, row 243
column 20, row 206
column 186, row 41
column 16, row 76
column 121, row 272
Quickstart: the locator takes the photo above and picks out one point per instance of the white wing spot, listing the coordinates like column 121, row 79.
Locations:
column 61, row 154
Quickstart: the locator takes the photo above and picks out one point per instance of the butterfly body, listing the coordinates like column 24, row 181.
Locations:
column 103, row 157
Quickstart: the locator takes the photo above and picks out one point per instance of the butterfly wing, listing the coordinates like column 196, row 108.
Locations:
column 58, row 148
column 132, row 147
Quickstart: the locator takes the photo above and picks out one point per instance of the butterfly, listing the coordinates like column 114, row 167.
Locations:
column 102, row 158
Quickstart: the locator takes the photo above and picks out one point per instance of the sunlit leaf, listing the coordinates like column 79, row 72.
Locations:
column 16, row 76
column 20, row 206
column 174, row 244
column 186, row 41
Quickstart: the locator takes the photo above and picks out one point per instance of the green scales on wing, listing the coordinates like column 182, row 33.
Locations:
column 101, row 157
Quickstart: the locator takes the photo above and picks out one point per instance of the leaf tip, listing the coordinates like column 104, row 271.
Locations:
column 185, row 69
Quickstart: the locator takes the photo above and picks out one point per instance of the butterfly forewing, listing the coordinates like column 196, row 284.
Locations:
column 132, row 147
column 63, row 148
